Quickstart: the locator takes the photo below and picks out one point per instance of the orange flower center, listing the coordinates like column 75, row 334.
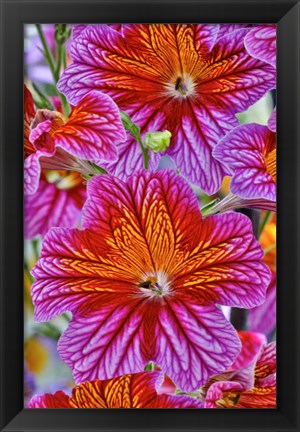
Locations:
column 63, row 180
column 270, row 161
column 155, row 285
column 228, row 400
column 181, row 86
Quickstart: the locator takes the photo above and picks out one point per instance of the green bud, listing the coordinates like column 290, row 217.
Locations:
column 158, row 141
column 126, row 120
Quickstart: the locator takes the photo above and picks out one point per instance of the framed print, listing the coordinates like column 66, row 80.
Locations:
column 150, row 192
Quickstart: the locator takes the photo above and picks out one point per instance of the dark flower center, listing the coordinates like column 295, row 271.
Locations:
column 180, row 86
column 152, row 284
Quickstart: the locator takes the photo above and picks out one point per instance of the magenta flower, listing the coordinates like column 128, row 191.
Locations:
column 57, row 202
column 253, row 386
column 143, row 278
column 179, row 78
column 91, row 132
column 249, row 152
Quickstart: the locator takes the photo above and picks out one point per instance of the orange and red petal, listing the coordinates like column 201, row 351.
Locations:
column 93, row 129
column 226, row 267
column 127, row 391
column 73, row 269
column 145, row 219
column 251, row 346
column 56, row 400
column 29, row 114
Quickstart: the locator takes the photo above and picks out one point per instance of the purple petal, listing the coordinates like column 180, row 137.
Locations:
column 238, row 80
column 225, row 29
column 260, row 42
column 197, row 131
column 243, row 151
column 93, row 129
column 272, row 121
column 32, row 171
column 193, row 343
column 50, row 207
column 104, row 343
column 263, row 318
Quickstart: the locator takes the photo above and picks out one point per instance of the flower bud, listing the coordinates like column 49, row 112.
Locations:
column 158, row 141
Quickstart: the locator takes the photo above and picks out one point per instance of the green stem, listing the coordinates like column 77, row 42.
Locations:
column 205, row 211
column 48, row 329
column 53, row 68
column 97, row 169
column 65, row 105
column 27, row 271
column 135, row 132
column 64, row 58
column 145, row 152
column 45, row 103
column 264, row 222
column 59, row 59
column 35, row 247
column 47, row 52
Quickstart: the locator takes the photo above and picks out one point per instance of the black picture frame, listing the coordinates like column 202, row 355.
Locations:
column 14, row 13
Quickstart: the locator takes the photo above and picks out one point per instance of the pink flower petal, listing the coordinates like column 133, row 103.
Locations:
column 63, row 283
column 225, row 29
column 205, row 36
column 36, row 133
column 231, row 259
column 93, row 129
column 197, row 131
column 193, row 343
column 57, row 400
column 43, row 146
column 106, row 342
column 272, row 121
column 111, row 199
column 238, row 80
column 244, row 151
column 52, row 207
column 251, row 346
column 263, row 318
column 260, row 42
column 189, row 343
column 32, row 171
